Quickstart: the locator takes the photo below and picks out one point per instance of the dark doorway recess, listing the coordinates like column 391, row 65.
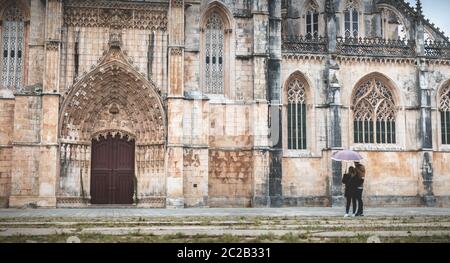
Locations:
column 112, row 170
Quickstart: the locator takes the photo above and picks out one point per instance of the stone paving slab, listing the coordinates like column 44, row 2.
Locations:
column 382, row 234
column 216, row 212
column 214, row 232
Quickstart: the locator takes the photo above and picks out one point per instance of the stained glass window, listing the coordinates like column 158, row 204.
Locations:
column 351, row 18
column 214, row 54
column 296, row 114
column 374, row 114
column 13, row 29
column 312, row 21
column 444, row 108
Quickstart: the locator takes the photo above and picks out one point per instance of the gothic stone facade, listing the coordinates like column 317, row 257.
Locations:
column 202, row 103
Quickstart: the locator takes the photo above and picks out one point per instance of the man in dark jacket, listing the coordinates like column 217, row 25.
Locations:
column 359, row 181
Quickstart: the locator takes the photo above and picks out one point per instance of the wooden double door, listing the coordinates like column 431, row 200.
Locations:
column 112, row 172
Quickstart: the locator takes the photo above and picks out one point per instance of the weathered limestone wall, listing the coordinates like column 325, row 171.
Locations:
column 441, row 178
column 230, row 126
column 195, row 174
column 393, row 178
column 6, row 134
column 306, row 181
column 27, row 119
column 230, row 178
column 5, row 175
column 196, row 127
column 25, row 181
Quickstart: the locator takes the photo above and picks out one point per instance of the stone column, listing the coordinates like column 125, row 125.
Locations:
column 49, row 160
column 425, row 131
column 275, row 104
column 334, row 103
column 335, row 138
column 175, row 103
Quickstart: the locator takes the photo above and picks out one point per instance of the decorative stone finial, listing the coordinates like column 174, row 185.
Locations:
column 419, row 9
column 329, row 6
column 115, row 35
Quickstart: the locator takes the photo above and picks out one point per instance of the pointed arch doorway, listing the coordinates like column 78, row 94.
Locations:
column 112, row 170
column 113, row 98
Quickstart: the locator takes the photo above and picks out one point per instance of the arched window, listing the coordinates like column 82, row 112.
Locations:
column 13, row 34
column 444, row 108
column 392, row 26
column 296, row 113
column 214, row 79
column 351, row 18
column 374, row 113
column 312, row 20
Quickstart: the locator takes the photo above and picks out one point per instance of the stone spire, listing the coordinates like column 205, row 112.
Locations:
column 419, row 9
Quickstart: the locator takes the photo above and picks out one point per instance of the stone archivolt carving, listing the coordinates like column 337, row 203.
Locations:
column 105, row 14
column 177, row 3
column 122, row 134
column 113, row 97
column 444, row 99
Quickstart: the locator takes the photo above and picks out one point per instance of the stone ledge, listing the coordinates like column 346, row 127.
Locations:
column 310, row 201
column 229, row 202
column 152, row 202
column 196, row 202
column 393, row 201
column 33, row 201
column 72, row 202
column 442, row 201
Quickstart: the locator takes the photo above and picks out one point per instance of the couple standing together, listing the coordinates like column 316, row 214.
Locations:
column 354, row 181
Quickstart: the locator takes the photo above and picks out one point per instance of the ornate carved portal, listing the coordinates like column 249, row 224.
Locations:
column 112, row 100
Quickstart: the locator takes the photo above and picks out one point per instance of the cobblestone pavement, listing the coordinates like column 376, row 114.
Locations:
column 115, row 212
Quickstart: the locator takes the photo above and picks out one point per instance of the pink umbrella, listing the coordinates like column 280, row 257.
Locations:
column 347, row 156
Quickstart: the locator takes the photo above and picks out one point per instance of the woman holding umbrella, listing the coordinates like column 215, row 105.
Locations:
column 354, row 179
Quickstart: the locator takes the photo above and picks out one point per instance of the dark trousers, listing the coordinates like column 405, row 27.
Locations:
column 358, row 197
column 350, row 200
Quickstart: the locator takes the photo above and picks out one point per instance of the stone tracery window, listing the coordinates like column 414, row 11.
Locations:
column 214, row 54
column 312, row 20
column 392, row 26
column 296, row 114
column 444, row 108
column 351, row 19
column 13, row 44
column 374, row 113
